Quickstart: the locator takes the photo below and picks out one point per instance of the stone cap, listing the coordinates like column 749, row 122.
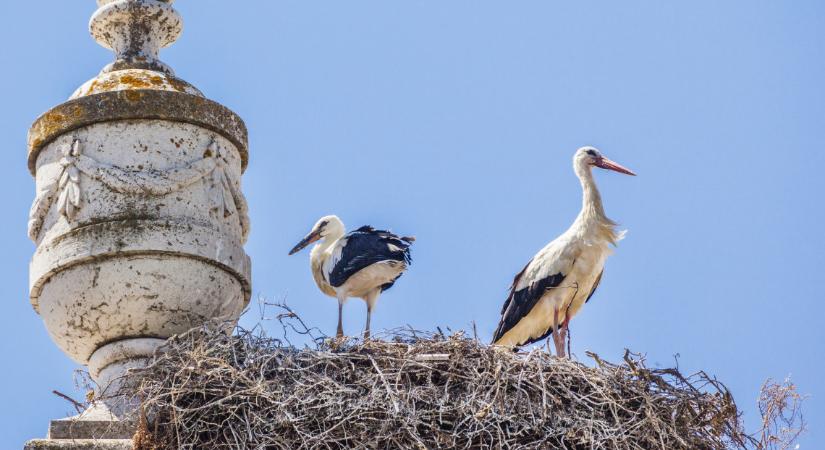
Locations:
column 134, row 79
column 135, row 104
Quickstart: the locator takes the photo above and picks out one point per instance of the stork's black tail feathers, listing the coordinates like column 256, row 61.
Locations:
column 401, row 243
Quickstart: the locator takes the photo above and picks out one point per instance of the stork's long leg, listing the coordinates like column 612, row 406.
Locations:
column 564, row 335
column 367, row 328
column 557, row 338
column 565, row 332
column 340, row 333
column 371, row 299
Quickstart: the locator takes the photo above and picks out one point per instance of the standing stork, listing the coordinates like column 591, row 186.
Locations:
column 562, row 277
column 363, row 263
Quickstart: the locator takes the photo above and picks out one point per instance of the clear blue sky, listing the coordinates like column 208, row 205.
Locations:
column 456, row 122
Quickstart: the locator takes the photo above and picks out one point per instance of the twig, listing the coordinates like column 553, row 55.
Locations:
column 80, row 407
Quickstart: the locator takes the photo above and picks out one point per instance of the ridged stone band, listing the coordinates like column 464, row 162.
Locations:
column 130, row 237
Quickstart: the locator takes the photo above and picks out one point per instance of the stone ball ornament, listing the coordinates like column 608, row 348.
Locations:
column 139, row 217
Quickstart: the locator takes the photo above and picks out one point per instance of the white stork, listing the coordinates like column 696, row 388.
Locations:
column 363, row 263
column 562, row 277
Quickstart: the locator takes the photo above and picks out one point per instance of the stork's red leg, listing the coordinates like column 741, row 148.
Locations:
column 557, row 338
column 565, row 330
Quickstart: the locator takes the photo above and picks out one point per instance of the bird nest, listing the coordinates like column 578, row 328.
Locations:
column 211, row 390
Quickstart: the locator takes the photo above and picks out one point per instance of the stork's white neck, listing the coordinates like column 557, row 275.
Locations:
column 592, row 208
column 592, row 219
column 328, row 240
column 317, row 260
column 320, row 249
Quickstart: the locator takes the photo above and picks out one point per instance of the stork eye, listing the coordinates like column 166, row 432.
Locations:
column 591, row 153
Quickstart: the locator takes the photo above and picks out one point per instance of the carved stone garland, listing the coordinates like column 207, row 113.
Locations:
column 226, row 199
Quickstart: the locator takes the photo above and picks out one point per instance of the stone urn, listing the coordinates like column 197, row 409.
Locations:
column 139, row 217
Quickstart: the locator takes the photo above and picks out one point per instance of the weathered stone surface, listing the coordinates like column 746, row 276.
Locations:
column 134, row 104
column 79, row 444
column 133, row 237
column 136, row 30
column 153, row 244
column 139, row 217
column 134, row 296
column 97, row 422
column 95, row 428
column 131, row 79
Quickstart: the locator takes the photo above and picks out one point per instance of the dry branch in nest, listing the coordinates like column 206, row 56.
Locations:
column 210, row 390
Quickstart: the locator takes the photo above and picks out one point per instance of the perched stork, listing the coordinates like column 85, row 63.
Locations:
column 562, row 277
column 363, row 263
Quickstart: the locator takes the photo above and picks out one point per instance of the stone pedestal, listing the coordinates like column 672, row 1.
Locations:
column 79, row 444
column 139, row 217
column 96, row 428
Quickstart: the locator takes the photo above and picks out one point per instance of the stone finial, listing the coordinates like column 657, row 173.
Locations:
column 139, row 217
column 136, row 30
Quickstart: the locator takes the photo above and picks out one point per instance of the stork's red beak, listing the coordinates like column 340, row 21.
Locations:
column 605, row 163
column 309, row 239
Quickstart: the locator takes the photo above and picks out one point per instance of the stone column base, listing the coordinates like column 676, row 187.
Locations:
column 79, row 444
column 94, row 429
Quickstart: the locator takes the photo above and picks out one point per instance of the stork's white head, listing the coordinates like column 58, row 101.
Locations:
column 587, row 157
column 326, row 227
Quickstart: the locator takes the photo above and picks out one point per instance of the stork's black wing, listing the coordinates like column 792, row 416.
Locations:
column 366, row 246
column 550, row 330
column 520, row 303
